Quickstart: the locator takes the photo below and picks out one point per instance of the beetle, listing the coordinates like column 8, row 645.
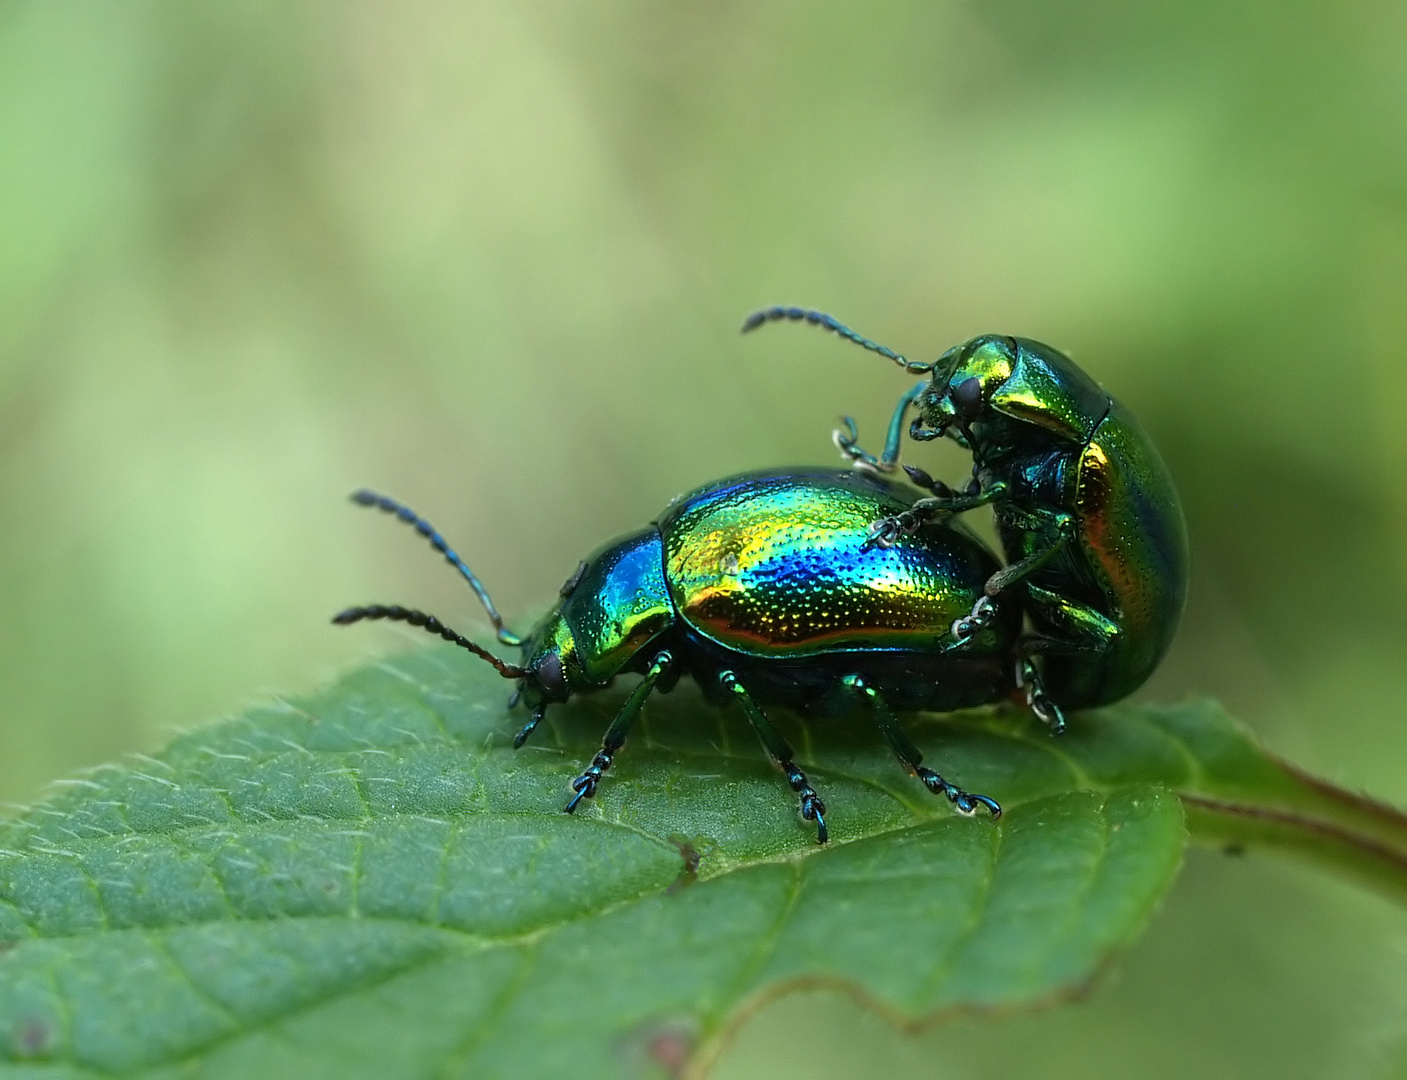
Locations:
column 767, row 590
column 1087, row 513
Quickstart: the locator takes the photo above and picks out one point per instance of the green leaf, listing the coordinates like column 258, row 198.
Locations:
column 371, row 882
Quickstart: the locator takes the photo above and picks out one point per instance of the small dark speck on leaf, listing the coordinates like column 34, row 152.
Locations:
column 32, row 1036
column 690, row 871
column 671, row 1050
column 657, row 1048
column 1234, row 849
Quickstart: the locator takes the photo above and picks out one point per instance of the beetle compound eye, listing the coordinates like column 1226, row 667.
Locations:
column 967, row 397
column 549, row 674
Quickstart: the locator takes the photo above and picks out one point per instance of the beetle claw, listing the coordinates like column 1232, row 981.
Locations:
column 885, row 532
column 974, row 622
column 813, row 809
column 585, row 784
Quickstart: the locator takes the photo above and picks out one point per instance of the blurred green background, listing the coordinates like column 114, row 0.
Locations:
column 492, row 258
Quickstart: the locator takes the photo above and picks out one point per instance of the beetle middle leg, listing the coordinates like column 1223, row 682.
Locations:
column 812, row 808
column 585, row 784
column 1062, row 528
column 909, row 755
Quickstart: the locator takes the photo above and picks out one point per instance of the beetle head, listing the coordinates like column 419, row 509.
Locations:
column 996, row 389
column 965, row 378
column 551, row 672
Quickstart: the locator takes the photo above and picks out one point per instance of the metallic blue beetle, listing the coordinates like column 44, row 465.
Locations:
column 768, row 590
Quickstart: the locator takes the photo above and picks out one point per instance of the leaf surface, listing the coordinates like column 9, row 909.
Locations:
column 371, row 882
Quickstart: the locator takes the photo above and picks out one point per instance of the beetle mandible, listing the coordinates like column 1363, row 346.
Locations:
column 768, row 590
column 1087, row 513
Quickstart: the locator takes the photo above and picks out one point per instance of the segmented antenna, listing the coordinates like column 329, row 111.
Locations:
column 430, row 624
column 425, row 529
column 835, row 326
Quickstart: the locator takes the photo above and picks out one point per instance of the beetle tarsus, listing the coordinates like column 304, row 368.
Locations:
column 847, row 441
column 585, row 784
column 1037, row 699
column 818, row 812
column 974, row 622
column 1047, row 711
column 885, row 532
column 812, row 808
column 965, row 802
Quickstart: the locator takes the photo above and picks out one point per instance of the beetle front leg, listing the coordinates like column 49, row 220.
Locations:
column 909, row 755
column 585, row 784
column 528, row 728
column 812, row 808
column 847, row 441
column 886, row 531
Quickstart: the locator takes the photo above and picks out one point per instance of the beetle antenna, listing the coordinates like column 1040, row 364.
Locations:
column 835, row 326
column 431, row 625
column 425, row 529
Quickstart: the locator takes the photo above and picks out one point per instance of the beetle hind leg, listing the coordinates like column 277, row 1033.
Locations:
column 1028, row 678
column 1067, row 629
column 812, row 808
column 909, row 755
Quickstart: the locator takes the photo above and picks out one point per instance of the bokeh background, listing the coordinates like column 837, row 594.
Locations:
column 491, row 257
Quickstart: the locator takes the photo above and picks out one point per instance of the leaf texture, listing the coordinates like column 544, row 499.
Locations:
column 371, row 882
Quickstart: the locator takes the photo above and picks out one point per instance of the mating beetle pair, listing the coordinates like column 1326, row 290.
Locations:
column 833, row 592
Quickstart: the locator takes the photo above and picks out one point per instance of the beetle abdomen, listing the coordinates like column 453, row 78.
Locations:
column 780, row 565
column 1135, row 546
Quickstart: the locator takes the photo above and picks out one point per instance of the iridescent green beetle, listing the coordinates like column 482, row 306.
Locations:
column 768, row 589
column 1088, row 516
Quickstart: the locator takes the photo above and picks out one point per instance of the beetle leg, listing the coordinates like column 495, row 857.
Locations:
column 812, row 808
column 1017, row 572
column 982, row 615
column 895, row 436
column 1072, row 627
column 1069, row 629
column 585, row 784
column 1028, row 678
column 528, row 728
column 887, row 530
column 969, row 625
column 847, row 441
column 909, row 755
